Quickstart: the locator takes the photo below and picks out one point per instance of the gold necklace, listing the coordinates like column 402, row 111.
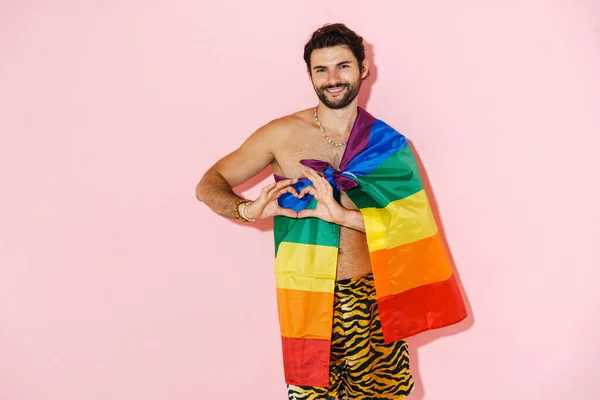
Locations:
column 332, row 142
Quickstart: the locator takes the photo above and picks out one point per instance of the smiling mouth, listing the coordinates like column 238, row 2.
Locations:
column 336, row 90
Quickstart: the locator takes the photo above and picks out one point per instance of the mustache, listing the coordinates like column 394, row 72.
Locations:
column 339, row 85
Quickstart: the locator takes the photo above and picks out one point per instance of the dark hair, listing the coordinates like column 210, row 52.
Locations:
column 331, row 35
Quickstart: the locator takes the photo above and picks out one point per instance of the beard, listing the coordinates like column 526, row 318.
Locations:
column 340, row 102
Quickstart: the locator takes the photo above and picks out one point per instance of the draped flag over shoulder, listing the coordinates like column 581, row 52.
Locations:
column 415, row 285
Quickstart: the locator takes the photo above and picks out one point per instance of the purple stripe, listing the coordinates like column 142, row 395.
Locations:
column 359, row 137
column 342, row 182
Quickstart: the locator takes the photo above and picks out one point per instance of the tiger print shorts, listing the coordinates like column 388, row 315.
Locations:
column 362, row 366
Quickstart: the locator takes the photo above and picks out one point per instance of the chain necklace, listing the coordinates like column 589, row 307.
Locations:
column 332, row 142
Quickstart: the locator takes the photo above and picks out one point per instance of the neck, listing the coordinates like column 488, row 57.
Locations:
column 341, row 120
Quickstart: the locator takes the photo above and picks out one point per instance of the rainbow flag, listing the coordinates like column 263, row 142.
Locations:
column 415, row 285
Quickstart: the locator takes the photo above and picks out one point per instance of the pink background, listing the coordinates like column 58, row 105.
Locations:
column 115, row 283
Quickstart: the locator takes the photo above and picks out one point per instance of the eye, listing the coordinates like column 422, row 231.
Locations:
column 344, row 66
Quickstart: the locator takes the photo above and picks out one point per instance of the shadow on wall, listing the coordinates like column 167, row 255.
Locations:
column 367, row 85
column 422, row 339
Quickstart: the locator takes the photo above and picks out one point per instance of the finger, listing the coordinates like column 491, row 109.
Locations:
column 282, row 184
column 276, row 187
column 307, row 190
column 321, row 183
column 288, row 189
column 311, row 175
column 262, row 197
column 327, row 186
column 265, row 191
column 273, row 191
column 286, row 212
column 286, row 182
column 317, row 181
column 277, row 194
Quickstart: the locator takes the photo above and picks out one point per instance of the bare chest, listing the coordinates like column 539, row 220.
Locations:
column 305, row 145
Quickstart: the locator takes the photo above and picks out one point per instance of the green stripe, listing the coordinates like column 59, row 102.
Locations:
column 394, row 179
column 305, row 230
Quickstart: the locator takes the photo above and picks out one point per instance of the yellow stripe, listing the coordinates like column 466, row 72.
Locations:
column 306, row 267
column 400, row 222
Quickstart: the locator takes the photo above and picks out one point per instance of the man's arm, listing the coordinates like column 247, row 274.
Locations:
column 353, row 219
column 215, row 189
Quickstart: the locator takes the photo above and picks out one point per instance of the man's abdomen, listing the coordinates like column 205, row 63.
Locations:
column 353, row 256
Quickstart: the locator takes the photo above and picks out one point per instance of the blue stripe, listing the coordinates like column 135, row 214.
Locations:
column 383, row 142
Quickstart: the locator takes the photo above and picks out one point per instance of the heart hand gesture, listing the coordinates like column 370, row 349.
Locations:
column 328, row 209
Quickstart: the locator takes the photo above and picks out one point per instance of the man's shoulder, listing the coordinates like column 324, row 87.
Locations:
column 287, row 123
column 294, row 120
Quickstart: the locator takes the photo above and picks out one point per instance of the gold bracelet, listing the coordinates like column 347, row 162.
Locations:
column 237, row 210
column 243, row 213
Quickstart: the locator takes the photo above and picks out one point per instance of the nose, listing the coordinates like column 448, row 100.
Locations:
column 333, row 78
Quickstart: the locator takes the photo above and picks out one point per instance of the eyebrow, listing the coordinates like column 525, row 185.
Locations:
column 337, row 65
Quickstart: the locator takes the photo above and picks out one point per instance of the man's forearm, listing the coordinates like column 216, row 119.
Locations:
column 214, row 191
column 353, row 219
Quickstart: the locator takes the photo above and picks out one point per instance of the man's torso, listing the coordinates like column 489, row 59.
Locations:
column 302, row 139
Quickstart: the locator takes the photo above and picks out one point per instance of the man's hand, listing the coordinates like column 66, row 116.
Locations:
column 266, row 205
column 328, row 209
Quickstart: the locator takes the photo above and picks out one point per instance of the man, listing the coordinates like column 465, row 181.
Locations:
column 353, row 241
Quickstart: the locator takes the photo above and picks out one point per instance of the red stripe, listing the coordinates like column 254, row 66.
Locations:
column 306, row 361
column 421, row 309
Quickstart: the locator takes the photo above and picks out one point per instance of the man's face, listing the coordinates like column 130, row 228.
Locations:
column 336, row 75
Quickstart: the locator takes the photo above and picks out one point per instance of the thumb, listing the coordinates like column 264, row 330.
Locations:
column 286, row 212
column 307, row 214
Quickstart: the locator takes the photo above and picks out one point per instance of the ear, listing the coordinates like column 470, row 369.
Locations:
column 365, row 69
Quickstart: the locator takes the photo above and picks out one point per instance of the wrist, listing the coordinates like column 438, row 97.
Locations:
column 344, row 217
column 247, row 212
column 240, row 211
column 353, row 219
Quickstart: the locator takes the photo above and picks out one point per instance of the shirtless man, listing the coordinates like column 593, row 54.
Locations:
column 336, row 63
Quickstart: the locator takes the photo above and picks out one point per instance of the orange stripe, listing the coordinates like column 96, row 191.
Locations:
column 409, row 266
column 304, row 314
